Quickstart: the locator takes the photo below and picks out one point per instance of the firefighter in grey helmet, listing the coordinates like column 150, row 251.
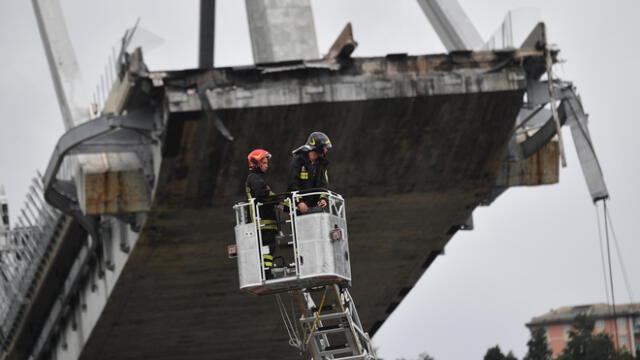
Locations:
column 309, row 170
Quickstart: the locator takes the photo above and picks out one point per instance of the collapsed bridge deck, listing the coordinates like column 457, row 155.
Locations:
column 418, row 144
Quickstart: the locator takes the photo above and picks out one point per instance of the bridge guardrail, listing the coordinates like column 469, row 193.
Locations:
column 22, row 254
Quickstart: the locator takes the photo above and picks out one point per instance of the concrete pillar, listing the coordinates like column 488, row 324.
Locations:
column 207, row 33
column 281, row 30
column 452, row 24
column 63, row 64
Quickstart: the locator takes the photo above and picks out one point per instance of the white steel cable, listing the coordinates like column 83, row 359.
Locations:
column 293, row 337
column 604, row 267
column 613, row 297
column 297, row 331
column 622, row 266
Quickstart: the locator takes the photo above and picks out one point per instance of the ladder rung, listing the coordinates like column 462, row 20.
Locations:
column 364, row 356
column 337, row 315
column 336, row 349
column 331, row 329
column 325, row 308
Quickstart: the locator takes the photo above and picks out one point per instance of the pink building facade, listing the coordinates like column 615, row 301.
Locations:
column 623, row 329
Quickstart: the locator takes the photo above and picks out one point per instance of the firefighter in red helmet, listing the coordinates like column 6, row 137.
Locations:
column 256, row 187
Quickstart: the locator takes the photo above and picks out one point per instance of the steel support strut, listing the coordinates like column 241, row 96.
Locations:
column 127, row 133
column 207, row 34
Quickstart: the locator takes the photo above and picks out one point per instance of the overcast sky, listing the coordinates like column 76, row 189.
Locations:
column 532, row 250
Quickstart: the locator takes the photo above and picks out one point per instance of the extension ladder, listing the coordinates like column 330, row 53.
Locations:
column 333, row 329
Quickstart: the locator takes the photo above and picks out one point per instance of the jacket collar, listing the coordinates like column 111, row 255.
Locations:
column 305, row 155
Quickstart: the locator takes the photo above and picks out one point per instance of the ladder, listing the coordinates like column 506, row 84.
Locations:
column 332, row 329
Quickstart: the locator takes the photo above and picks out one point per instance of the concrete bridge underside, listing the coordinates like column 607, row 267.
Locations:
column 419, row 143
column 411, row 168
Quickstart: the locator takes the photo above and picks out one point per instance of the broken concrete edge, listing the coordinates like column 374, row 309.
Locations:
column 537, row 41
column 115, row 183
column 541, row 168
column 359, row 79
column 343, row 46
column 117, row 190
column 73, row 101
column 381, row 78
column 425, row 75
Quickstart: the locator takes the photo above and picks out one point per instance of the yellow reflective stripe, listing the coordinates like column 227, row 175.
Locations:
column 326, row 177
column 304, row 175
column 248, row 191
column 267, row 260
column 268, row 224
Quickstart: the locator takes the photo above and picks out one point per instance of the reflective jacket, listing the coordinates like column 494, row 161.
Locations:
column 304, row 175
column 256, row 187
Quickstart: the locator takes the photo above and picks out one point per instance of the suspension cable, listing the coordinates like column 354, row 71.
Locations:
column 623, row 268
column 613, row 296
column 602, row 261
column 297, row 330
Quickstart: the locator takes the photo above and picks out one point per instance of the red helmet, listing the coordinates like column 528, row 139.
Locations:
column 256, row 156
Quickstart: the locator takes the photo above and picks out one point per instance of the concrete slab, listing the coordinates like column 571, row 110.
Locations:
column 412, row 158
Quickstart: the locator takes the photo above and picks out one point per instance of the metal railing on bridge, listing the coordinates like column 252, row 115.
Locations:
column 23, row 252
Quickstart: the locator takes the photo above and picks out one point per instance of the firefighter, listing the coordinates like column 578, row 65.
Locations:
column 256, row 187
column 308, row 170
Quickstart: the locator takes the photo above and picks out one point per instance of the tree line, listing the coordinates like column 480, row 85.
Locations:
column 583, row 344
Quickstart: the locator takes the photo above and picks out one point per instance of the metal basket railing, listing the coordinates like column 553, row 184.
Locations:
column 249, row 212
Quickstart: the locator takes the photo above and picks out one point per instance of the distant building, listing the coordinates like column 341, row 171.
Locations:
column 624, row 328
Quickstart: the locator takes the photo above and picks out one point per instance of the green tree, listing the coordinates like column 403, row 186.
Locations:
column 584, row 345
column 421, row 356
column 425, row 356
column 624, row 355
column 510, row 356
column 580, row 337
column 494, row 353
column 537, row 345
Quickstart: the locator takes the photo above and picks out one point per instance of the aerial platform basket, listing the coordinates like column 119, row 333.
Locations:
column 312, row 248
